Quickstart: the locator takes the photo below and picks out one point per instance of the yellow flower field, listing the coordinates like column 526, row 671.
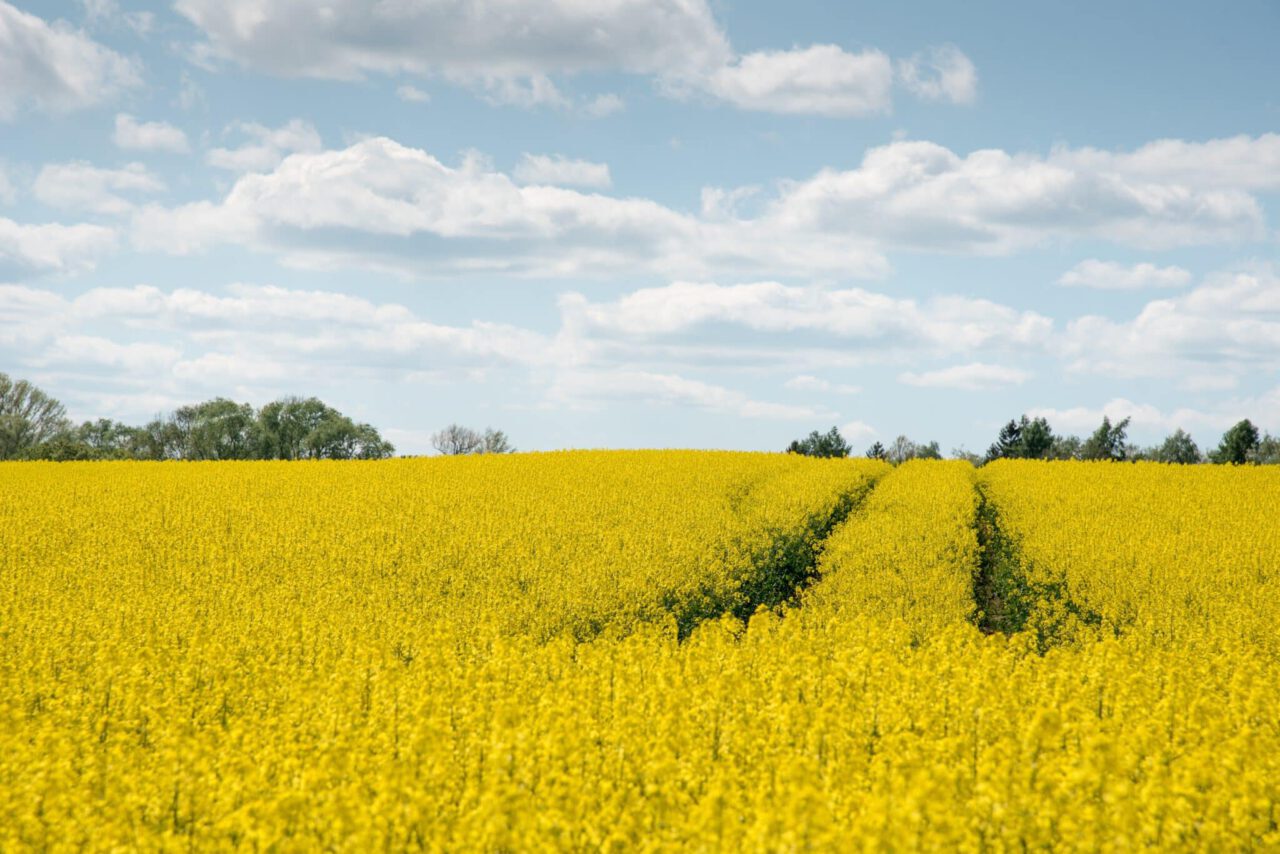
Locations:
column 546, row 652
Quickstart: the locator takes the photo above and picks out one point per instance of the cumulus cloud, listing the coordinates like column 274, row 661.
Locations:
column 51, row 247
column 1225, row 328
column 944, row 324
column 821, row 80
column 922, row 195
column 245, row 336
column 1110, row 276
column 1237, row 163
column 557, row 170
column 133, row 135
column 54, row 67
column 86, row 188
column 265, row 147
column 348, row 39
column 940, row 73
column 975, row 376
column 382, row 205
column 511, row 51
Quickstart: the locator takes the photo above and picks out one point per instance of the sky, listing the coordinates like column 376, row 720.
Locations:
column 647, row 223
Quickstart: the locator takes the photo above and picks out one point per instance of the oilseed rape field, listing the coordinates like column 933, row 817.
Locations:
column 650, row 650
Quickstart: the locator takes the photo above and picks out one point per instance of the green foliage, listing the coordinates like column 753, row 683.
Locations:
column 1178, row 447
column 1024, row 439
column 1065, row 448
column 875, row 452
column 1239, row 444
column 1268, row 451
column 1107, row 442
column 829, row 444
column 28, row 418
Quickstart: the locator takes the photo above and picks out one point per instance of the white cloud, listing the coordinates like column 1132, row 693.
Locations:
column 1110, row 276
column 940, row 73
column 604, row 105
column 808, row 382
column 51, row 247
column 381, row 205
column 856, row 431
column 944, row 324
column 244, row 339
column 387, row 206
column 132, row 135
column 1227, row 327
column 412, row 94
column 590, row 388
column 266, row 146
column 975, row 376
column 923, row 196
column 561, row 171
column 347, row 39
column 55, row 68
column 821, row 80
column 1230, row 163
column 92, row 351
column 511, row 52
column 27, row 314
column 1146, row 418
column 86, row 188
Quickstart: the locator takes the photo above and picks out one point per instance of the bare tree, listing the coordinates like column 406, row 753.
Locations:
column 456, row 439
column 28, row 417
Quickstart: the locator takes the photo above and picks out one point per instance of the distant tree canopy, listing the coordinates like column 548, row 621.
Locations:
column 1177, row 447
column 1107, row 442
column 1239, row 444
column 28, row 417
column 34, row 426
column 1023, row 439
column 829, row 444
column 456, row 440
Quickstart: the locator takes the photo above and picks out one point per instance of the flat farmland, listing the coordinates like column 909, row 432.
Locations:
column 638, row 650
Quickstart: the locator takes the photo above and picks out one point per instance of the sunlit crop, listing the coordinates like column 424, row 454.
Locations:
column 557, row 651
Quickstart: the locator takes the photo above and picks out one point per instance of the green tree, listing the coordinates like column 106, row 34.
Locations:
column 285, row 424
column 1107, row 442
column 28, row 418
column 1023, row 438
column 876, row 452
column 1065, row 448
column 829, row 444
column 1178, row 447
column 495, row 442
column 1268, row 450
column 1007, row 444
column 217, row 429
column 1036, row 438
column 1238, row 445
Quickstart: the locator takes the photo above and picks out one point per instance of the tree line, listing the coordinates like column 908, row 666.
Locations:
column 1035, row 439
column 34, row 426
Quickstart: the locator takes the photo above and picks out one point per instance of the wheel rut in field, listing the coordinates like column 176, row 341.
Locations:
column 1013, row 597
column 779, row 575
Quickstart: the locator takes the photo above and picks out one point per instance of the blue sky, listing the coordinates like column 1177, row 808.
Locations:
column 647, row 222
